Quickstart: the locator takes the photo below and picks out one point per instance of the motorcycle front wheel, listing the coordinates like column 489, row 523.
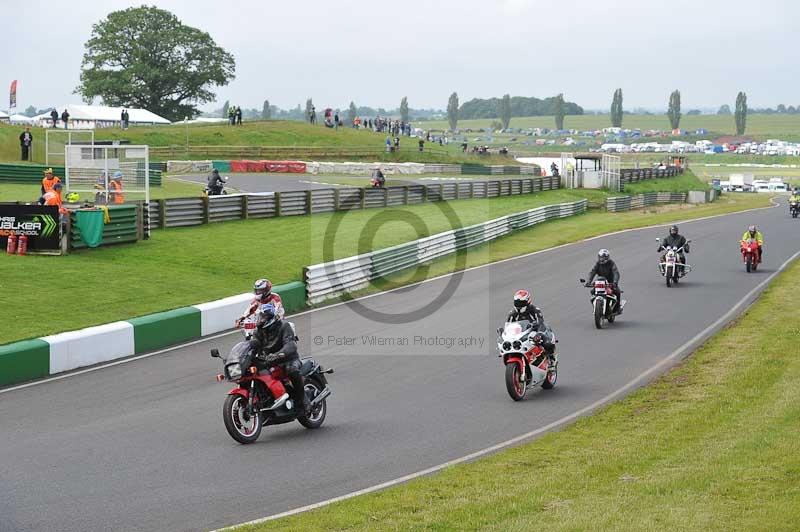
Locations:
column 515, row 384
column 598, row 313
column 748, row 266
column 242, row 427
column 314, row 420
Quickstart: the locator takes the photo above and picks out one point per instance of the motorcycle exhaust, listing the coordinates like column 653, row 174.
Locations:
column 322, row 395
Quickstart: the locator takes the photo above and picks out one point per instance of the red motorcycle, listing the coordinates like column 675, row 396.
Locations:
column 260, row 397
column 750, row 255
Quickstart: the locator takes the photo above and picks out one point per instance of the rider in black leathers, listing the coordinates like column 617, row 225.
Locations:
column 274, row 341
column 524, row 309
column 675, row 240
column 607, row 268
column 215, row 183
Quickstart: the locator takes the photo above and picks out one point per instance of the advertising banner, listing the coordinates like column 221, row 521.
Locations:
column 38, row 222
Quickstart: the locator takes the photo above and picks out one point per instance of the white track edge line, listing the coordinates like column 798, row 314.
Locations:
column 698, row 338
column 368, row 296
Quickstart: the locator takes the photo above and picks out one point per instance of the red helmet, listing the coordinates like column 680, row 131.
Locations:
column 522, row 298
column 262, row 289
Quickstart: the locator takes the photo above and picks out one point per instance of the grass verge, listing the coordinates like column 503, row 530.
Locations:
column 680, row 183
column 217, row 260
column 722, row 453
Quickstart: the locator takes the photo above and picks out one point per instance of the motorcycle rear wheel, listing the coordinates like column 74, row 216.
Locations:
column 317, row 416
column 516, row 387
column 242, row 427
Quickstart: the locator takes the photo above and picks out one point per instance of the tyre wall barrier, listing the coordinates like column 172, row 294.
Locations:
column 638, row 201
column 48, row 355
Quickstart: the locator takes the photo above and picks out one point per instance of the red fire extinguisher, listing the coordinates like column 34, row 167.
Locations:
column 11, row 246
column 22, row 246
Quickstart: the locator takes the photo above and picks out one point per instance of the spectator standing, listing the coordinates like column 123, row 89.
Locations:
column 54, row 116
column 421, row 144
column 125, row 119
column 65, row 118
column 397, row 144
column 388, row 144
column 231, row 114
column 336, row 121
column 25, row 142
column 115, row 186
column 238, row 115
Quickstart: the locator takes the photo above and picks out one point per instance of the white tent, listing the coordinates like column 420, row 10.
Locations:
column 20, row 119
column 3, row 117
column 98, row 116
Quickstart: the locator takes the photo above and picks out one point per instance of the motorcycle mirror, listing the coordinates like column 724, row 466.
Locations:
column 215, row 353
column 658, row 239
column 582, row 281
column 499, row 330
column 688, row 241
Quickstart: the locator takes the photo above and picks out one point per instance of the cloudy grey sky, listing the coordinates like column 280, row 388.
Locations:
column 376, row 51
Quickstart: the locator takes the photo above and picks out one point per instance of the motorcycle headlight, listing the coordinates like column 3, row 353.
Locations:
column 234, row 371
column 506, row 346
column 517, row 345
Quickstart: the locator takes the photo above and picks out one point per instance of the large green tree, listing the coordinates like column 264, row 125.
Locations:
column 558, row 111
column 452, row 110
column 616, row 109
column 505, row 110
column 741, row 113
column 674, row 109
column 266, row 111
column 145, row 57
column 404, row 110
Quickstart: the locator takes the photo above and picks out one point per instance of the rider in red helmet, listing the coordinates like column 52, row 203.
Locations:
column 262, row 289
column 524, row 309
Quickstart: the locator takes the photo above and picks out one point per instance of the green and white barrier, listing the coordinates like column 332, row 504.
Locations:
column 48, row 355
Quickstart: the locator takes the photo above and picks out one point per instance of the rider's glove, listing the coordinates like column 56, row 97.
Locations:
column 588, row 285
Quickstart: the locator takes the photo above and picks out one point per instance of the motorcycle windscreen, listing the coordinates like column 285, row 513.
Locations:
column 513, row 329
column 239, row 353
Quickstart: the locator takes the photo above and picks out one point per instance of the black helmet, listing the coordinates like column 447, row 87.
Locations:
column 673, row 230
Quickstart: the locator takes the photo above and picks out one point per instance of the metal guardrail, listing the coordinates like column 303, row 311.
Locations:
column 332, row 279
column 638, row 201
column 182, row 212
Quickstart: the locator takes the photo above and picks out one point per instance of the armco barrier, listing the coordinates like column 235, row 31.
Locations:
column 40, row 357
column 332, row 279
column 181, row 212
column 626, row 203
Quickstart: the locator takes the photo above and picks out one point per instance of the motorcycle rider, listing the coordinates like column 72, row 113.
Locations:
column 275, row 343
column 524, row 309
column 378, row 178
column 754, row 234
column 215, row 183
column 607, row 268
column 673, row 239
column 262, row 289
column 794, row 198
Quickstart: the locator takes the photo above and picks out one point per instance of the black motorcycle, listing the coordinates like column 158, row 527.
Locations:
column 605, row 304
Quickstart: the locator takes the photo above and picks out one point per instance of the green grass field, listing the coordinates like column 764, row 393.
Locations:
column 721, row 453
column 222, row 259
column 257, row 133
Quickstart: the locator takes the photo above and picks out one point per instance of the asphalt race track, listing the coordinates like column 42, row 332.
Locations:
column 287, row 182
column 142, row 446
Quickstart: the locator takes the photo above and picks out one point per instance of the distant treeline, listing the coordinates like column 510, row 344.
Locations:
column 520, row 106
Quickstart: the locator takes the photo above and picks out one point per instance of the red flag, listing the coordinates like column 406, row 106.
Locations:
column 12, row 97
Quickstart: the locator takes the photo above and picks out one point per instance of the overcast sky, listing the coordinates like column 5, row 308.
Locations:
column 374, row 52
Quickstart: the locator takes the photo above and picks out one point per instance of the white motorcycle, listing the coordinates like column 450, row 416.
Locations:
column 670, row 264
column 527, row 364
